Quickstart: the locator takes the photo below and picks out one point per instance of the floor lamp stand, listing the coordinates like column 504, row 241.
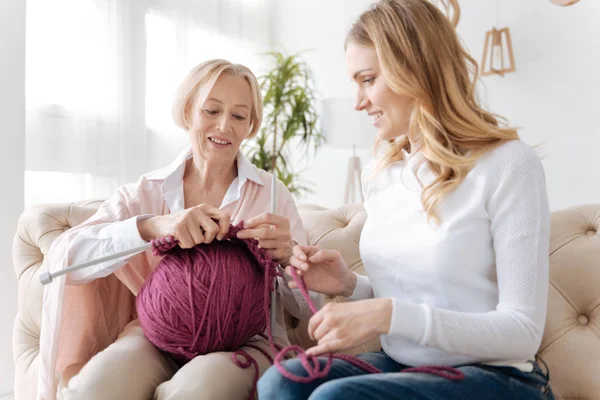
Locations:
column 353, row 183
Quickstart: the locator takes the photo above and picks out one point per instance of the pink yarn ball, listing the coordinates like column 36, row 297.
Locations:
column 205, row 299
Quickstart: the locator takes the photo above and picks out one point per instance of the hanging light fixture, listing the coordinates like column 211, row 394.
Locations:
column 497, row 45
column 564, row 3
column 498, row 57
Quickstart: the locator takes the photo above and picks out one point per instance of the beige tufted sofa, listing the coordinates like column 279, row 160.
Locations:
column 571, row 345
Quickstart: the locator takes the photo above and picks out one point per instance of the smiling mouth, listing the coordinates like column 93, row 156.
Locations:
column 218, row 141
column 376, row 116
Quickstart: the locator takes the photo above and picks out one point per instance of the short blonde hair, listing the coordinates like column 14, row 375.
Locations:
column 203, row 77
column 421, row 56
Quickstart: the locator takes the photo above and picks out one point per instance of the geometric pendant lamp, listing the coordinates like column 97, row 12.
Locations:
column 564, row 3
column 498, row 58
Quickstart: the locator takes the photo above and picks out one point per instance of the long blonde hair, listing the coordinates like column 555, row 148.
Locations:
column 421, row 56
column 200, row 80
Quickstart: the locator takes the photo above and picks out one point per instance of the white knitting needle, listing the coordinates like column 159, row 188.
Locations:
column 273, row 209
column 47, row 277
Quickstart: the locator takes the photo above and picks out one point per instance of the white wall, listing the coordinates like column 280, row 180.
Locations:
column 12, row 168
column 320, row 26
column 553, row 96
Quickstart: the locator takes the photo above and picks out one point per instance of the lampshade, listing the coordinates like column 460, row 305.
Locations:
column 564, row 3
column 498, row 58
column 343, row 126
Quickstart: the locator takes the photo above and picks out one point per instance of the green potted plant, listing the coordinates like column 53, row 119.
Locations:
column 289, row 122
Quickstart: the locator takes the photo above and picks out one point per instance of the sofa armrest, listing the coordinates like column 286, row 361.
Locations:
column 37, row 228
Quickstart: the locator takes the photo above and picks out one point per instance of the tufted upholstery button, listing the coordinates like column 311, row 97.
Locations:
column 591, row 232
column 583, row 319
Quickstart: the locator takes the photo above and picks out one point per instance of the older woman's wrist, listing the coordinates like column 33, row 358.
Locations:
column 286, row 261
column 144, row 226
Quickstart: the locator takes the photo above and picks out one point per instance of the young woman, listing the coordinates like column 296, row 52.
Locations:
column 456, row 240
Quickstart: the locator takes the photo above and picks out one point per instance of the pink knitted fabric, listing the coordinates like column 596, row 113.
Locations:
column 216, row 297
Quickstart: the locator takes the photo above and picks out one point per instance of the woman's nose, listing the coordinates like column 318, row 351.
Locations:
column 223, row 123
column 360, row 102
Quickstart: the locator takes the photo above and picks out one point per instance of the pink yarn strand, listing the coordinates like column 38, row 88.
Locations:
column 449, row 373
column 311, row 364
column 248, row 361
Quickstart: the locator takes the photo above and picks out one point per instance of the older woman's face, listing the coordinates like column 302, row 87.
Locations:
column 222, row 121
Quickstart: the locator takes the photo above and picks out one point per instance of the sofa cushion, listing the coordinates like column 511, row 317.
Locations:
column 571, row 343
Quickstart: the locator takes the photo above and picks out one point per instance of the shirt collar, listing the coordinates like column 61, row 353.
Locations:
column 172, row 177
column 247, row 170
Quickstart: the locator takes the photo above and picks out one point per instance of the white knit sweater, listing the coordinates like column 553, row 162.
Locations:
column 474, row 288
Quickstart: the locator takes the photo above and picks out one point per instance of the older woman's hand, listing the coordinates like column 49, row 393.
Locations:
column 273, row 235
column 199, row 224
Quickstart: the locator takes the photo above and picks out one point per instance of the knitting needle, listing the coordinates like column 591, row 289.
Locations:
column 273, row 209
column 47, row 277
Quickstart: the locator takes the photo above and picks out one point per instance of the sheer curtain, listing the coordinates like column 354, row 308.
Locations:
column 100, row 77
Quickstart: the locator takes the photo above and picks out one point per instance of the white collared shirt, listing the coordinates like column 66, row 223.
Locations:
column 172, row 177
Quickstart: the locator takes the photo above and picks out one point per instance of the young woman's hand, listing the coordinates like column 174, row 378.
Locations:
column 324, row 271
column 342, row 326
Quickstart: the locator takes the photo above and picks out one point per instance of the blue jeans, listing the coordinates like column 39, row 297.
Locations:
column 347, row 382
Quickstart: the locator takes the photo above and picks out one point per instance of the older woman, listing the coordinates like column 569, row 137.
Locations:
column 92, row 344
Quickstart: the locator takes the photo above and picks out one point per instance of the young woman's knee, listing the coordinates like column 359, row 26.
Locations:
column 273, row 385
column 332, row 390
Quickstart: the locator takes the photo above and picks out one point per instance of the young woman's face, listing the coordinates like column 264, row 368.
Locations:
column 222, row 121
column 389, row 110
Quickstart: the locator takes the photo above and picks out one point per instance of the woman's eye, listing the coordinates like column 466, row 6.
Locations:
column 369, row 81
column 211, row 112
column 239, row 117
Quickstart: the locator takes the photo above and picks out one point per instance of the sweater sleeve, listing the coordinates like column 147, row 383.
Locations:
column 520, row 222
column 363, row 289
